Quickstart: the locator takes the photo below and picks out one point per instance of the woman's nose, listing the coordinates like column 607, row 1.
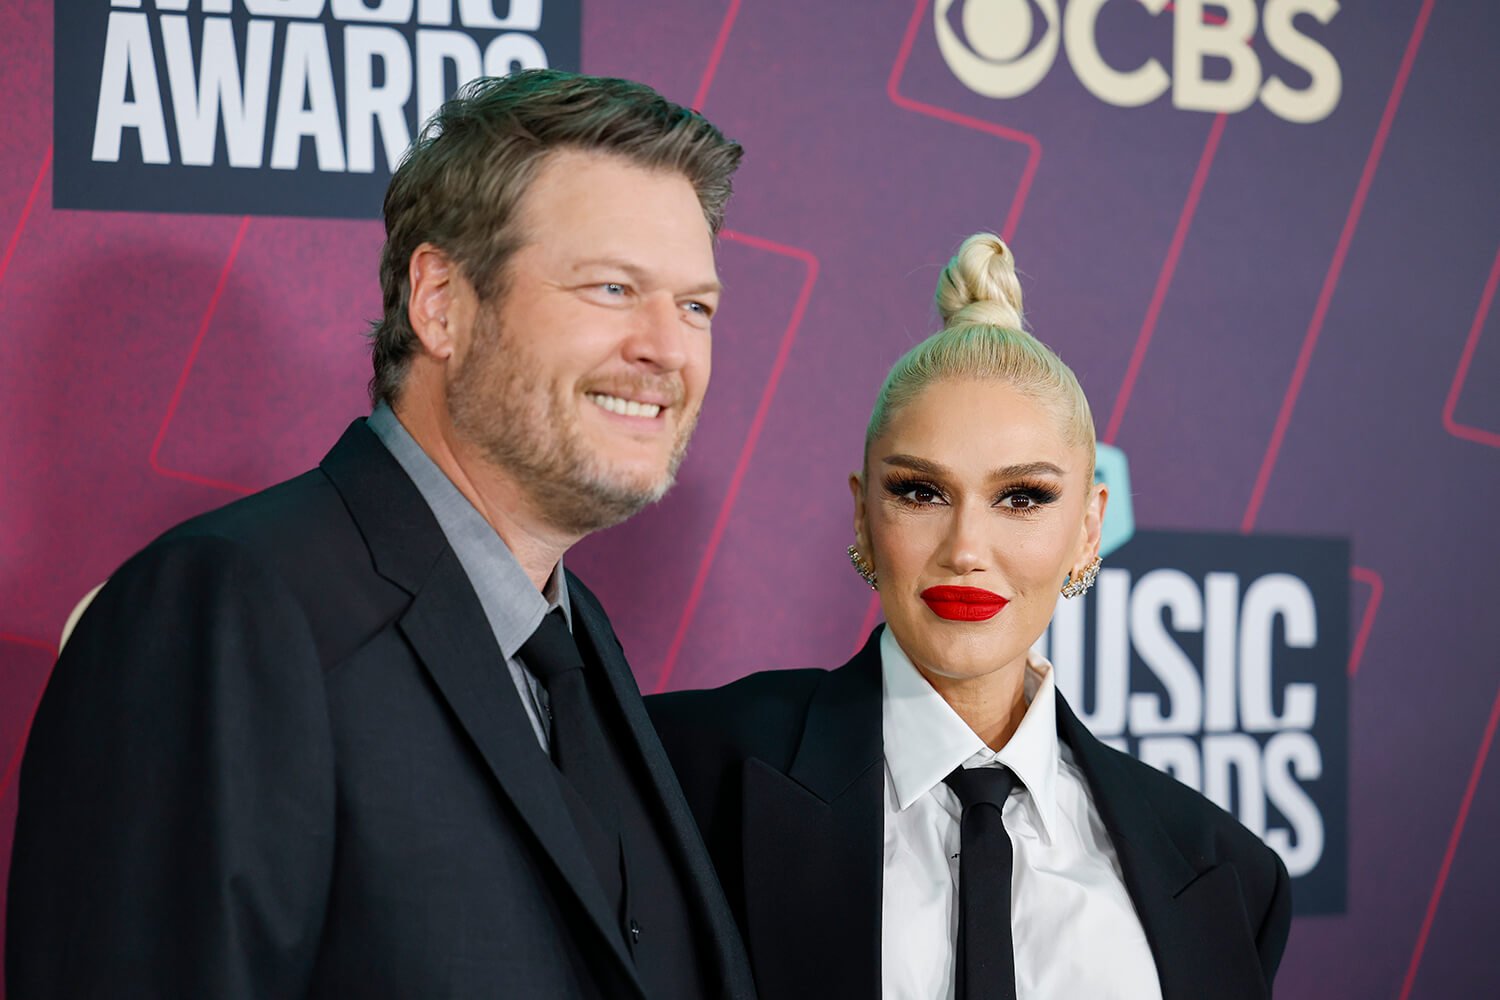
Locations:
column 962, row 550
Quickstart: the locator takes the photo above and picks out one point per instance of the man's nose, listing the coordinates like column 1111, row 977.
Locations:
column 659, row 335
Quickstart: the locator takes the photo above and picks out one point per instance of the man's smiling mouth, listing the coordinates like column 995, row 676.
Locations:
column 624, row 407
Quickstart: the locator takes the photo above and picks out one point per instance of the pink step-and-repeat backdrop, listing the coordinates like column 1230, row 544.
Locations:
column 1265, row 233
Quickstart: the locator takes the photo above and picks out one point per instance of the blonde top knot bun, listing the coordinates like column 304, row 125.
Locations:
column 984, row 337
column 979, row 286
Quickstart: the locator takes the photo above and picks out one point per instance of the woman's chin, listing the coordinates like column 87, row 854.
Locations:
column 959, row 658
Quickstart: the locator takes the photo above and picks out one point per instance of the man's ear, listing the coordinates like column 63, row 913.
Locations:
column 436, row 298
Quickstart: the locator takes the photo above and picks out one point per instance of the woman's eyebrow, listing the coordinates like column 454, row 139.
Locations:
column 916, row 464
column 1025, row 469
column 1018, row 471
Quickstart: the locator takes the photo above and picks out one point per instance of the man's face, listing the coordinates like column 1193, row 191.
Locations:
column 584, row 380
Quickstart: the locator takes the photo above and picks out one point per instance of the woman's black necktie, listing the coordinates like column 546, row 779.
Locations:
column 986, row 961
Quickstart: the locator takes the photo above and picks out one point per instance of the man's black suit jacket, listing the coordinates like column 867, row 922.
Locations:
column 282, row 756
column 785, row 773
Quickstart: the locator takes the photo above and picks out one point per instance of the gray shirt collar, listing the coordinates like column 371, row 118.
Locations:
column 512, row 604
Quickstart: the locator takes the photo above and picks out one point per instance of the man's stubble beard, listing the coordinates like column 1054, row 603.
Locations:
column 500, row 402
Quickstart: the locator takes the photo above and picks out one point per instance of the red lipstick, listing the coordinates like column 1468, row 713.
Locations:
column 963, row 604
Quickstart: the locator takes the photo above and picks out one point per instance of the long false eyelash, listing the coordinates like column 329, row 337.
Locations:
column 1040, row 495
column 898, row 487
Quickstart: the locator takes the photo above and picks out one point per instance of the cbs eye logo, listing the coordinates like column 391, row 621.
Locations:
column 1004, row 53
column 994, row 62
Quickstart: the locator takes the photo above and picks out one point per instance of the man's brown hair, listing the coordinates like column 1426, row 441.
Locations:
column 459, row 185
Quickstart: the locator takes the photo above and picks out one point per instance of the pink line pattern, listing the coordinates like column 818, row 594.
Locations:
column 187, row 370
column 752, row 436
column 1164, row 278
column 1373, row 580
column 1169, row 265
column 1453, row 839
column 747, row 450
column 26, row 640
column 716, row 54
column 1032, row 144
column 1209, row 16
column 15, row 236
column 1335, row 269
column 1461, row 375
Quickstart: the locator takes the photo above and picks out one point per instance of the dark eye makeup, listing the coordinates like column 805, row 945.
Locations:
column 1018, row 498
column 1026, row 498
column 914, row 492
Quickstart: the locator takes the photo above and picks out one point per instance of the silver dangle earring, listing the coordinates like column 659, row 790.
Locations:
column 1079, row 585
column 863, row 568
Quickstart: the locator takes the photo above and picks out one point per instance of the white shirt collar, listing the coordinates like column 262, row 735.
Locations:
column 925, row 739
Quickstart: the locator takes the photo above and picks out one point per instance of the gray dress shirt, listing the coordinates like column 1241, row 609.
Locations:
column 511, row 602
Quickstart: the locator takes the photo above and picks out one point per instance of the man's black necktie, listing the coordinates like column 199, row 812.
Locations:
column 579, row 747
column 986, row 961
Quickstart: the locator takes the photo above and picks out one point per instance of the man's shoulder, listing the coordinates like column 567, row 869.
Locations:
column 296, row 528
column 293, row 546
column 320, row 517
column 309, row 516
column 264, row 519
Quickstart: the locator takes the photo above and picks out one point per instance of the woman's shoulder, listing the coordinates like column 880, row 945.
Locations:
column 755, row 698
column 1203, row 831
column 757, row 715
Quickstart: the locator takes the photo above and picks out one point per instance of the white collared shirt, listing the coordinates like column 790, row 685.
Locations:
column 1075, row 929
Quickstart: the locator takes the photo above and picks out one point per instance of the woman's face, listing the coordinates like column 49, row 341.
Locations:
column 973, row 509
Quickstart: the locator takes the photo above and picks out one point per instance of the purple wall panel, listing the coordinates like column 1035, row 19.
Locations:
column 1288, row 328
column 249, row 432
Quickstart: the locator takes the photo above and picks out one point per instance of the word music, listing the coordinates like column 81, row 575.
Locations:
column 1182, row 674
column 180, row 69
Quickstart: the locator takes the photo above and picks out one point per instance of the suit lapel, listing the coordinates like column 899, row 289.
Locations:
column 447, row 628
column 1193, row 915
column 683, row 839
column 813, row 843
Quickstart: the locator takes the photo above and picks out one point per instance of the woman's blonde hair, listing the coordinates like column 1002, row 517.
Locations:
column 984, row 337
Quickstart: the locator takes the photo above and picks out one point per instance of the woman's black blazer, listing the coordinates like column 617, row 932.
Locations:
column 784, row 773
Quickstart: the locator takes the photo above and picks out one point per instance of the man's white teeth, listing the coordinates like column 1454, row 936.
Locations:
column 625, row 407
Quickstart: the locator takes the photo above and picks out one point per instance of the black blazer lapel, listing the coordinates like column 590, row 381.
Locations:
column 684, row 841
column 1194, row 917
column 447, row 628
column 813, row 845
